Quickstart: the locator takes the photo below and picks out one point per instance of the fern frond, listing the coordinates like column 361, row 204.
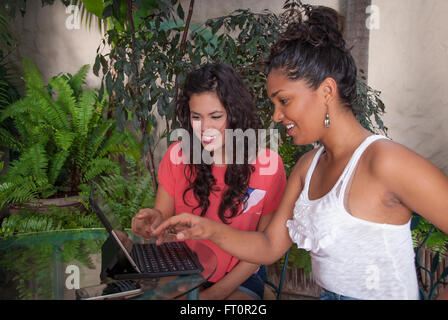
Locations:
column 38, row 160
column 32, row 163
column 32, row 76
column 23, row 189
column 65, row 94
column 144, row 190
column 98, row 167
column 19, row 108
column 46, row 107
column 112, row 145
column 115, row 185
column 97, row 138
column 125, row 196
column 84, row 111
column 52, row 113
column 132, row 147
column 77, row 81
column 17, row 192
column 4, row 96
column 10, row 141
column 64, row 139
column 56, row 165
column 24, row 224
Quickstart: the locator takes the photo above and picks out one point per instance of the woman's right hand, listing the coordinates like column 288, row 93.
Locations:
column 186, row 226
column 145, row 221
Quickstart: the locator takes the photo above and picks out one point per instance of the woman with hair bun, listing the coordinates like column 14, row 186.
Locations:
column 240, row 194
column 348, row 202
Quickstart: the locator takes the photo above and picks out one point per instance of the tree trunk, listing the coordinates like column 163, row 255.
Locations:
column 356, row 32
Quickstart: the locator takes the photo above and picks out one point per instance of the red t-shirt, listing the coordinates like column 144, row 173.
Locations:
column 266, row 186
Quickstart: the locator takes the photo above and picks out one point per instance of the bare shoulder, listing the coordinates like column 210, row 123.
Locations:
column 415, row 181
column 301, row 167
column 394, row 164
column 386, row 156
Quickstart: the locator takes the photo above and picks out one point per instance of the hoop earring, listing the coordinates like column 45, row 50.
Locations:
column 327, row 119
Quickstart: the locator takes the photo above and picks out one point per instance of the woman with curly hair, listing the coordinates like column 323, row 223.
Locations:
column 241, row 194
column 349, row 201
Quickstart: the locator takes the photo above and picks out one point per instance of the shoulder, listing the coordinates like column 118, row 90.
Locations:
column 385, row 154
column 268, row 159
column 303, row 164
column 175, row 147
column 172, row 162
column 269, row 169
column 173, row 154
column 266, row 155
column 391, row 161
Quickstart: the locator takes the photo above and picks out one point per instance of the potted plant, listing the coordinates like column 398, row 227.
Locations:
column 63, row 140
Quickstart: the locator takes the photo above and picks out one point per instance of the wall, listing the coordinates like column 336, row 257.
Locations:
column 44, row 37
column 407, row 59
column 204, row 9
column 408, row 63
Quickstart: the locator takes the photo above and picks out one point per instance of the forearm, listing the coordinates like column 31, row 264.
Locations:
column 250, row 246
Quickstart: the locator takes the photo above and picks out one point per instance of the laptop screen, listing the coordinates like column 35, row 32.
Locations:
column 112, row 224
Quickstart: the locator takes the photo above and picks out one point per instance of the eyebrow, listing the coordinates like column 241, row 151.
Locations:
column 276, row 93
column 211, row 113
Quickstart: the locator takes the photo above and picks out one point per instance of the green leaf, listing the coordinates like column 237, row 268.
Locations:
column 84, row 111
column 32, row 76
column 77, row 81
column 108, row 11
column 64, row 139
column 65, row 97
column 94, row 6
column 56, row 165
column 96, row 66
column 180, row 11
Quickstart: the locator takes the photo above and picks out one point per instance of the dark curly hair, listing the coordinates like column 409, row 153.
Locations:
column 241, row 114
column 312, row 48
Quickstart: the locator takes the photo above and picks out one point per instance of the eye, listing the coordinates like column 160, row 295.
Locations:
column 216, row 117
column 283, row 101
column 195, row 117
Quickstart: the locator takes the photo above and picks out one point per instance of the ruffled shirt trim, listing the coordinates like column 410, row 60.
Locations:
column 303, row 232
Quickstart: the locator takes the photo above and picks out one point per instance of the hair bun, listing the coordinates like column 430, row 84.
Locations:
column 319, row 26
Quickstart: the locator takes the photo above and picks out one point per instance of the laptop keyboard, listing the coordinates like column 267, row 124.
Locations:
column 169, row 258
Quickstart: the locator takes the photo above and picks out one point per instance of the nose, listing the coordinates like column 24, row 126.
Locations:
column 278, row 114
column 205, row 125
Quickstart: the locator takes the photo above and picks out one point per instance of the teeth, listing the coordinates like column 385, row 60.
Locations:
column 207, row 138
column 290, row 126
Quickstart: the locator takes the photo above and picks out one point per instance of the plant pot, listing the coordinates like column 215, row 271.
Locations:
column 44, row 205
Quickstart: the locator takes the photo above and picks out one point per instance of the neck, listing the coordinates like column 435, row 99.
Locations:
column 344, row 136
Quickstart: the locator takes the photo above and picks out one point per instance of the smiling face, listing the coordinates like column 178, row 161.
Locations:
column 208, row 119
column 298, row 107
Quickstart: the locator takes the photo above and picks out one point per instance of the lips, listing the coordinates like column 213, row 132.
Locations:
column 289, row 128
column 208, row 139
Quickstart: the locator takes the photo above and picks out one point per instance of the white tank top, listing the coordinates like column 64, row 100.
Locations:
column 351, row 256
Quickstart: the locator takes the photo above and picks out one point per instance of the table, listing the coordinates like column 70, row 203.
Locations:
column 53, row 265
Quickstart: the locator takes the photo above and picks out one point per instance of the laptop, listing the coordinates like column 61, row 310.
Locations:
column 124, row 259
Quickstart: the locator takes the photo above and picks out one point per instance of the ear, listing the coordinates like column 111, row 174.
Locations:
column 329, row 90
